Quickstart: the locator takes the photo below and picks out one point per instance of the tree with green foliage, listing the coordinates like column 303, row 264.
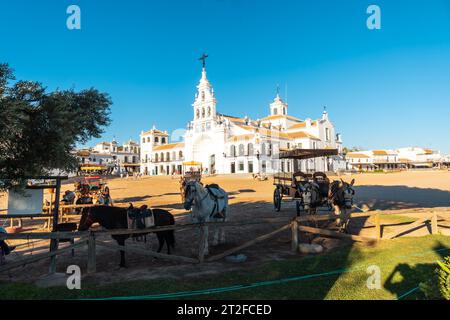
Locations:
column 346, row 150
column 40, row 129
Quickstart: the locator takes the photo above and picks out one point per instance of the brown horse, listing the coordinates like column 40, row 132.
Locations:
column 117, row 218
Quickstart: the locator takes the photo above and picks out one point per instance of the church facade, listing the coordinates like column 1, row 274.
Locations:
column 226, row 144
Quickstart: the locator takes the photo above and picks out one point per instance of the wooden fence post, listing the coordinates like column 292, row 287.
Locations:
column 294, row 230
column 54, row 243
column 377, row 225
column 53, row 247
column 203, row 242
column 91, row 265
column 434, row 224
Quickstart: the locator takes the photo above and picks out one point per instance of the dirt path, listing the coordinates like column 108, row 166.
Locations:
column 405, row 194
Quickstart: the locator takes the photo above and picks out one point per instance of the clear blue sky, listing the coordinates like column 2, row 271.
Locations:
column 383, row 88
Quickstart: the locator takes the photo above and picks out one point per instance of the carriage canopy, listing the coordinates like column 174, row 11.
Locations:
column 192, row 164
column 307, row 153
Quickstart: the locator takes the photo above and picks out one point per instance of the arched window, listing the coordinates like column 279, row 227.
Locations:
column 263, row 149
column 197, row 114
column 167, row 156
column 143, row 140
column 156, row 139
column 162, row 156
column 174, row 155
column 148, row 139
column 203, row 112
column 156, row 157
column 163, row 140
column 180, row 154
column 241, row 149
column 209, row 111
column 250, row 149
column 203, row 95
column 233, row 150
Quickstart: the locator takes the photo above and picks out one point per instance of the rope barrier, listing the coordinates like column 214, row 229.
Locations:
column 408, row 293
column 222, row 289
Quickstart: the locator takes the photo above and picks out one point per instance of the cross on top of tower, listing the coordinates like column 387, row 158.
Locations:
column 203, row 58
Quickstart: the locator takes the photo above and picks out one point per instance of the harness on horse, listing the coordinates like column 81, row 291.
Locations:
column 316, row 194
column 140, row 218
column 215, row 192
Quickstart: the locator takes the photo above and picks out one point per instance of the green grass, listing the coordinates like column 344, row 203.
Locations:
column 396, row 218
column 409, row 260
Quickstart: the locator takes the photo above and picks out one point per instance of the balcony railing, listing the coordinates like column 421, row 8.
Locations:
column 166, row 160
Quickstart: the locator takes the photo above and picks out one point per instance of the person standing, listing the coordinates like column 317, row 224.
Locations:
column 105, row 198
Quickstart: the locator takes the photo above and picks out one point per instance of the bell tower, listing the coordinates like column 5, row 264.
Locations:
column 278, row 106
column 205, row 101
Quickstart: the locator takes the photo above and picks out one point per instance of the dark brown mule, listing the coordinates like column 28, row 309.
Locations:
column 117, row 218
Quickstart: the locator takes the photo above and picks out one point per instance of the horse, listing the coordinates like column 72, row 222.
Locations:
column 341, row 197
column 117, row 218
column 314, row 195
column 208, row 203
column 338, row 196
column 189, row 176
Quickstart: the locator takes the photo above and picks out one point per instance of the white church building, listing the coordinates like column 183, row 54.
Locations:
column 225, row 144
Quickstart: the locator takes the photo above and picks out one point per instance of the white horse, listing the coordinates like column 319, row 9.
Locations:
column 208, row 203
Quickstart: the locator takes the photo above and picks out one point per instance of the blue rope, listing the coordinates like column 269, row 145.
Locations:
column 224, row 289
column 407, row 293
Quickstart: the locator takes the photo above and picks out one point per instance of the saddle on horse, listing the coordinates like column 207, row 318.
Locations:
column 218, row 195
column 140, row 218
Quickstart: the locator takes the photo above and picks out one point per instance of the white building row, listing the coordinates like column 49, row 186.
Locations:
column 402, row 158
column 110, row 157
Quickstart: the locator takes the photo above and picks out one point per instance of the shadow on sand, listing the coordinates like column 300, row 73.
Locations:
column 400, row 197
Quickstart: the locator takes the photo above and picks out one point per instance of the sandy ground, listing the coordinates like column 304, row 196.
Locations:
column 412, row 194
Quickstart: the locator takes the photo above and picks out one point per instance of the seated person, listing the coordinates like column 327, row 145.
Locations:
column 105, row 198
column 69, row 197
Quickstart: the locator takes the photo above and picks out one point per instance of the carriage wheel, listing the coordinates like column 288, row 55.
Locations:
column 277, row 199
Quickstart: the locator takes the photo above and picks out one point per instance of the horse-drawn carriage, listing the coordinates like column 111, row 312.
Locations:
column 291, row 187
column 313, row 191
column 294, row 186
column 192, row 171
column 89, row 188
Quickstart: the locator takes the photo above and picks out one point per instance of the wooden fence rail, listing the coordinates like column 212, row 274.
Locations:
column 40, row 256
column 91, row 238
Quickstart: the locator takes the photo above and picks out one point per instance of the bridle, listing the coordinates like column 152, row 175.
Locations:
column 88, row 220
column 349, row 188
column 191, row 189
